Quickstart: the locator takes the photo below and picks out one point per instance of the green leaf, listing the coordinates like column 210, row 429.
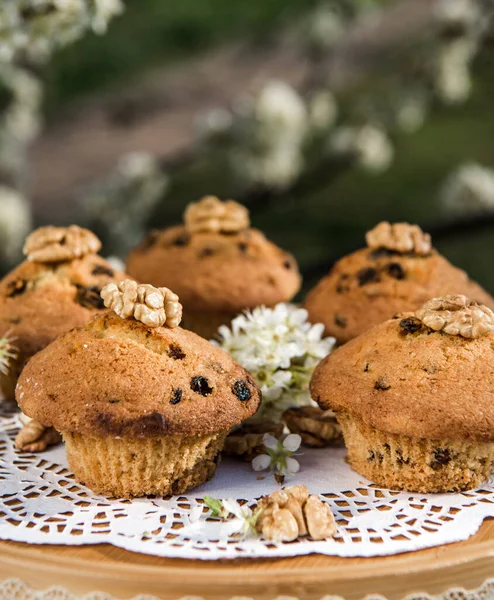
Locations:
column 215, row 506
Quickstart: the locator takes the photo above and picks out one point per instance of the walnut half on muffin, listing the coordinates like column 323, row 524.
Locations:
column 399, row 270
column 143, row 405
column 217, row 264
column 414, row 397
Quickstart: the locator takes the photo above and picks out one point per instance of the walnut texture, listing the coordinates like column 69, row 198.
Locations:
column 35, row 437
column 59, row 244
column 152, row 306
column 316, row 427
column 214, row 216
column 457, row 315
column 248, row 440
column 399, row 237
column 291, row 513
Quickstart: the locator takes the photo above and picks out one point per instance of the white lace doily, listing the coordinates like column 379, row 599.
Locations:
column 41, row 503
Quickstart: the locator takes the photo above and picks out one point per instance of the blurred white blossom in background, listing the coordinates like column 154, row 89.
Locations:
column 281, row 349
column 269, row 135
column 325, row 26
column 120, row 205
column 368, row 145
column 15, row 223
column 469, row 190
column 32, row 29
column 323, row 110
column 411, row 112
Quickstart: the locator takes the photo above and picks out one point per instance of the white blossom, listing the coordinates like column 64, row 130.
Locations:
column 453, row 81
column 269, row 133
column 34, row 28
column 469, row 189
column 323, row 110
column 281, row 349
column 451, row 13
column 244, row 518
column 325, row 26
column 279, row 455
column 369, row 145
column 411, row 112
column 15, row 223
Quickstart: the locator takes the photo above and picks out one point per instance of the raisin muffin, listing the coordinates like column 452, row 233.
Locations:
column 397, row 271
column 55, row 289
column 143, row 405
column 217, row 264
column 414, row 395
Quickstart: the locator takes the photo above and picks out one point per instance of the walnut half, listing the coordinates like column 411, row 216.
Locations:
column 291, row 513
column 399, row 237
column 152, row 306
column 457, row 315
column 57, row 244
column 212, row 215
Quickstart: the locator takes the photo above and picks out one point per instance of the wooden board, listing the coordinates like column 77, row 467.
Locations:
column 126, row 574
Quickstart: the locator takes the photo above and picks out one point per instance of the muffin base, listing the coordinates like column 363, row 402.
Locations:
column 415, row 465
column 128, row 468
column 206, row 324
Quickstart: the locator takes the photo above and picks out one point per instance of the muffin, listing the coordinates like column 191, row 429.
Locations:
column 397, row 271
column 143, row 405
column 217, row 264
column 414, row 395
column 56, row 288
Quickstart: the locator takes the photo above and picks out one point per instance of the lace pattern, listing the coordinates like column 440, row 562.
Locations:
column 42, row 503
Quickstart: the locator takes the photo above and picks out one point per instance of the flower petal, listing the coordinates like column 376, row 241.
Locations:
column 270, row 442
column 292, row 442
column 292, row 466
column 261, row 462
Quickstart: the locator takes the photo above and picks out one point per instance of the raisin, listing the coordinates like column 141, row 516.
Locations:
column 399, row 458
column 16, row 288
column 241, row 390
column 150, row 240
column 182, row 240
column 243, row 247
column 371, row 456
column 203, row 252
column 176, row 396
column 175, row 352
column 387, row 447
column 341, row 288
column 367, row 275
column 200, row 385
column 89, row 297
column 382, row 384
column 411, row 325
column 441, row 457
column 366, row 367
column 340, row 320
column 114, row 401
column 287, row 264
column 102, row 270
column 395, row 270
column 380, row 253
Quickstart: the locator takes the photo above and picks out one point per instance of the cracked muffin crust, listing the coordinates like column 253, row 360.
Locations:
column 229, row 266
column 40, row 300
column 397, row 271
column 415, row 403
column 143, row 409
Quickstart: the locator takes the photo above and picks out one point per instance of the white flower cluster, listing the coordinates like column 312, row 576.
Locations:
column 279, row 455
column 469, row 190
column 325, row 26
column 369, row 145
column 15, row 224
column 281, row 349
column 463, row 24
column 270, row 131
column 20, row 119
column 122, row 203
column 34, row 28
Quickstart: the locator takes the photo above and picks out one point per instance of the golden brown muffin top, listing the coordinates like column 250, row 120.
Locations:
column 404, row 377
column 215, row 262
column 119, row 377
column 372, row 284
column 39, row 301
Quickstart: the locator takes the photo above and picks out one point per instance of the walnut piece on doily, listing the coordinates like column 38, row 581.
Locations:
column 399, row 237
column 152, row 306
column 455, row 314
column 292, row 513
column 35, row 437
column 58, row 244
column 211, row 215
